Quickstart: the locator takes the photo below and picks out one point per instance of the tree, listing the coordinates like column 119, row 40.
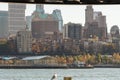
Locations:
column 116, row 58
column 99, row 58
column 108, row 48
column 92, row 59
column 105, row 59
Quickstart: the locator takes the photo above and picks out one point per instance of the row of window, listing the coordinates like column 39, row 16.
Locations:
column 12, row 19
column 17, row 6
column 16, row 15
column 20, row 24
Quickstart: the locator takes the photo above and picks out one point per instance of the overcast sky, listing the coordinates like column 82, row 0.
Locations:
column 76, row 13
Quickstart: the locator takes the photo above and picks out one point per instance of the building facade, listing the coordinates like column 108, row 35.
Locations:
column 92, row 30
column 88, row 15
column 24, row 41
column 16, row 19
column 3, row 24
column 115, row 36
column 28, row 22
column 43, row 23
column 57, row 14
column 114, row 31
column 72, row 31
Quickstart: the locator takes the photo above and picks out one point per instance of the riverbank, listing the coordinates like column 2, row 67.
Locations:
column 58, row 67
column 107, row 66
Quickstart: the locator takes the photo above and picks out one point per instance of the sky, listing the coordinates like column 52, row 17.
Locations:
column 76, row 13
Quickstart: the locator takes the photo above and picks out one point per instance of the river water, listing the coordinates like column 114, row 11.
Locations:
column 46, row 74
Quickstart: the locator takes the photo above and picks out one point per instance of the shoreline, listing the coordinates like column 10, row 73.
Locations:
column 107, row 66
column 54, row 67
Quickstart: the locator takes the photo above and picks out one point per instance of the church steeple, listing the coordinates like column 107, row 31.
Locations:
column 40, row 8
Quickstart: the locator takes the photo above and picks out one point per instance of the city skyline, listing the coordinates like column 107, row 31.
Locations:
column 76, row 13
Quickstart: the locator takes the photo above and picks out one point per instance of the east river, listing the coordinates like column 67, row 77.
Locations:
column 46, row 74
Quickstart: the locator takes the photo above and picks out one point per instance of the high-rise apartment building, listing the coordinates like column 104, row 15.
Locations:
column 16, row 21
column 3, row 24
column 72, row 31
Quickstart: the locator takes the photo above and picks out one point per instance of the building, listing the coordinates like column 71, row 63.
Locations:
column 115, row 35
column 72, row 31
column 95, row 18
column 88, row 19
column 96, row 14
column 28, row 22
column 43, row 23
column 101, row 19
column 40, row 8
column 92, row 30
column 57, row 14
column 114, row 31
column 24, row 41
column 88, row 15
column 3, row 24
column 16, row 19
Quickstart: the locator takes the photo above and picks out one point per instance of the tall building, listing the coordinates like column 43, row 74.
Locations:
column 43, row 23
column 72, row 31
column 92, row 30
column 88, row 14
column 16, row 21
column 3, row 24
column 40, row 8
column 96, row 14
column 101, row 19
column 57, row 14
column 95, row 18
column 24, row 41
column 28, row 22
